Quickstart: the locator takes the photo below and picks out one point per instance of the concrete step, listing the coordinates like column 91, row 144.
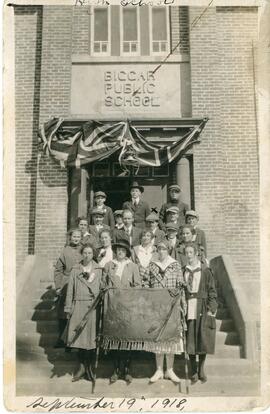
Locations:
column 223, row 313
column 62, row 386
column 140, row 367
column 43, row 326
column 36, row 339
column 227, row 338
column 41, row 314
column 225, row 325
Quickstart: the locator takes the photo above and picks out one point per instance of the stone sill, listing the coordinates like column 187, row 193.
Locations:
column 85, row 58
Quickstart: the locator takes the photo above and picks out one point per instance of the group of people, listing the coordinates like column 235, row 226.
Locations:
column 135, row 247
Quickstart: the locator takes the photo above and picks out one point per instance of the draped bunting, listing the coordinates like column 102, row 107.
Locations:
column 142, row 319
column 94, row 141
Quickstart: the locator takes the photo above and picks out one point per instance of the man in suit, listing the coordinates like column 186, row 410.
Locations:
column 192, row 218
column 139, row 207
column 96, row 228
column 174, row 201
column 129, row 232
column 152, row 224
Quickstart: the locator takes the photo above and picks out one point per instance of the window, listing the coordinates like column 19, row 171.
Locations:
column 100, row 33
column 159, row 30
column 130, row 39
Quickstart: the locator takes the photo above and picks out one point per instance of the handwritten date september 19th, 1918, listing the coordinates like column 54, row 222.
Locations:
column 124, row 2
column 126, row 404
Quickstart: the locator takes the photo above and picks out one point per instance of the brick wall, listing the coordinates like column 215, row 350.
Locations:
column 226, row 164
column 52, row 197
column 28, row 24
column 179, row 29
column 81, row 30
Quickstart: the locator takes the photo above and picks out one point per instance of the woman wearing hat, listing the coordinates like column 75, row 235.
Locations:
column 121, row 273
column 139, row 207
column 99, row 204
column 165, row 272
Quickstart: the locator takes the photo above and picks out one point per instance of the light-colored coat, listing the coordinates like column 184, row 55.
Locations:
column 69, row 256
column 80, row 296
column 130, row 277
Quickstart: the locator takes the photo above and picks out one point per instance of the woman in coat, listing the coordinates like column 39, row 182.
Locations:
column 83, row 289
column 201, row 310
column 70, row 255
column 121, row 273
column 165, row 272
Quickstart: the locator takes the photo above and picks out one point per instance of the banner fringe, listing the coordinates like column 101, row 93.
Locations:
column 109, row 343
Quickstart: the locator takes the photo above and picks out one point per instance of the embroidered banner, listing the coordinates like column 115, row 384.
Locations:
column 143, row 319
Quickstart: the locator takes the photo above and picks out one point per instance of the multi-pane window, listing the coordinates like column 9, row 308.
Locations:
column 100, row 31
column 159, row 30
column 130, row 31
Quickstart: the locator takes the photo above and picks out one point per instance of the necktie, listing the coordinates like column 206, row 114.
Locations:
column 190, row 278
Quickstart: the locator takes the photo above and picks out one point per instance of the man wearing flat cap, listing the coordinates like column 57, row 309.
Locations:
column 139, row 208
column 152, row 224
column 98, row 226
column 99, row 204
column 174, row 201
column 192, row 218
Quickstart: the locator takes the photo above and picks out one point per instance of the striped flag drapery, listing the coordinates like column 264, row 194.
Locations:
column 94, row 141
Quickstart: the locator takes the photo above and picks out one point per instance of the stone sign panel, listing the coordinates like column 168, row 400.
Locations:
column 125, row 90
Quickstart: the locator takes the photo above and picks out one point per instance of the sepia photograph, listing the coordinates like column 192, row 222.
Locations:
column 132, row 196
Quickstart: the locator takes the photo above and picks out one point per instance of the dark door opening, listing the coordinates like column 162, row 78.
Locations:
column 117, row 190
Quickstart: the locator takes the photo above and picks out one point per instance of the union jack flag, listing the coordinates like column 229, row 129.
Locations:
column 94, row 141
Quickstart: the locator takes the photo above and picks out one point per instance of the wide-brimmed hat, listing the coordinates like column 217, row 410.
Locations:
column 100, row 194
column 118, row 213
column 192, row 213
column 97, row 211
column 135, row 184
column 152, row 217
column 175, row 187
column 122, row 243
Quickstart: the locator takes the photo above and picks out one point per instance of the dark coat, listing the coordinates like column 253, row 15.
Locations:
column 205, row 326
column 183, row 208
column 68, row 258
column 80, row 295
column 130, row 277
column 158, row 236
column 121, row 234
column 141, row 211
column 108, row 217
column 89, row 238
column 94, row 232
column 201, row 239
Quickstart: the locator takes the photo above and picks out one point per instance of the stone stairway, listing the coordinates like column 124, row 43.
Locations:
column 44, row 370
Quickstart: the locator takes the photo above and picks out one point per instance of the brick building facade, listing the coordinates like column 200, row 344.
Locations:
column 217, row 58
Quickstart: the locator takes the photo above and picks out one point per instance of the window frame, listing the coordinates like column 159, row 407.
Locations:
column 92, row 26
column 152, row 52
column 122, row 52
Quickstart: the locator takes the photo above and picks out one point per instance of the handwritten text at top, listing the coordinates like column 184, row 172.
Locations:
column 124, row 3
